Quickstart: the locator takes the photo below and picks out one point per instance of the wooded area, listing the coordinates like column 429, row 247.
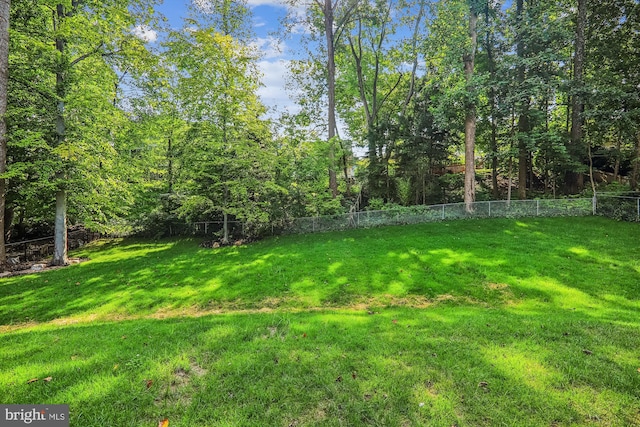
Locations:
column 108, row 130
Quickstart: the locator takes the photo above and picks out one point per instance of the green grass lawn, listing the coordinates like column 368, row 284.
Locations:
column 532, row 322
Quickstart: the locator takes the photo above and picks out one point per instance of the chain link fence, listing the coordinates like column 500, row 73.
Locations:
column 624, row 208
column 618, row 207
column 444, row 212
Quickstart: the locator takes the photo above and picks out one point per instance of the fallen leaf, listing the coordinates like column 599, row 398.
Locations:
column 149, row 383
column 638, row 369
column 164, row 423
column 394, row 321
column 587, row 352
column 48, row 379
column 304, row 335
column 367, row 397
column 32, row 380
column 354, row 375
column 115, row 367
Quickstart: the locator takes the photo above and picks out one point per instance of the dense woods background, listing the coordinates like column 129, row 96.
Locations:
column 402, row 102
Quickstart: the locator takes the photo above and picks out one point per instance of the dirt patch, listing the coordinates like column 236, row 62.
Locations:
column 178, row 392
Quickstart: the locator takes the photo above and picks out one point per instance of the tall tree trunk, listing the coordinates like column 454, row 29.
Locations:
column 170, row 178
column 470, row 117
column 345, row 168
column 523, row 119
column 575, row 180
column 328, row 10
column 635, row 175
column 225, row 228
column 523, row 154
column 5, row 7
column 370, row 110
column 492, row 107
column 60, row 233
column 60, row 239
column 616, row 167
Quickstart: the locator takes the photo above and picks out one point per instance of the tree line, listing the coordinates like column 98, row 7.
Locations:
column 103, row 127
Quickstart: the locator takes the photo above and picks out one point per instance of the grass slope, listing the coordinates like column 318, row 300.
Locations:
column 479, row 323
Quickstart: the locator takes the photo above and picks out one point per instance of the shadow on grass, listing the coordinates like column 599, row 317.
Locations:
column 585, row 264
column 465, row 366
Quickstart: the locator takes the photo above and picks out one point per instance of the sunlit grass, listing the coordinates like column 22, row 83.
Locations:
column 480, row 323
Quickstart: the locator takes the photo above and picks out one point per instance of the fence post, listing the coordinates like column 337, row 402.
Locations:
column 594, row 204
column 537, row 207
column 443, row 212
column 638, row 200
column 489, row 208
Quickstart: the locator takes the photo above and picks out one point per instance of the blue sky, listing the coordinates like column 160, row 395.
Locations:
column 276, row 53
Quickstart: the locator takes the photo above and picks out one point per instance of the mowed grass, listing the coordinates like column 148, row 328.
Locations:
column 532, row 322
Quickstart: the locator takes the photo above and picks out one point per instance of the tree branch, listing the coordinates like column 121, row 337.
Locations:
column 86, row 55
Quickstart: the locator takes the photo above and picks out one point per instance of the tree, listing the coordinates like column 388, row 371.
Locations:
column 227, row 153
column 524, row 102
column 491, row 20
column 336, row 14
column 77, row 40
column 5, row 8
column 574, row 179
column 610, row 95
column 470, row 115
column 378, row 77
column 328, row 12
column 63, row 116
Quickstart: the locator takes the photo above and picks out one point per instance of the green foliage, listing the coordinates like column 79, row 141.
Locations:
column 89, row 68
column 157, row 136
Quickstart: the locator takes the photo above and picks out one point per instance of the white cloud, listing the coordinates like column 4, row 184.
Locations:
column 273, row 93
column 206, row 6
column 270, row 47
column 146, row 33
column 265, row 3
